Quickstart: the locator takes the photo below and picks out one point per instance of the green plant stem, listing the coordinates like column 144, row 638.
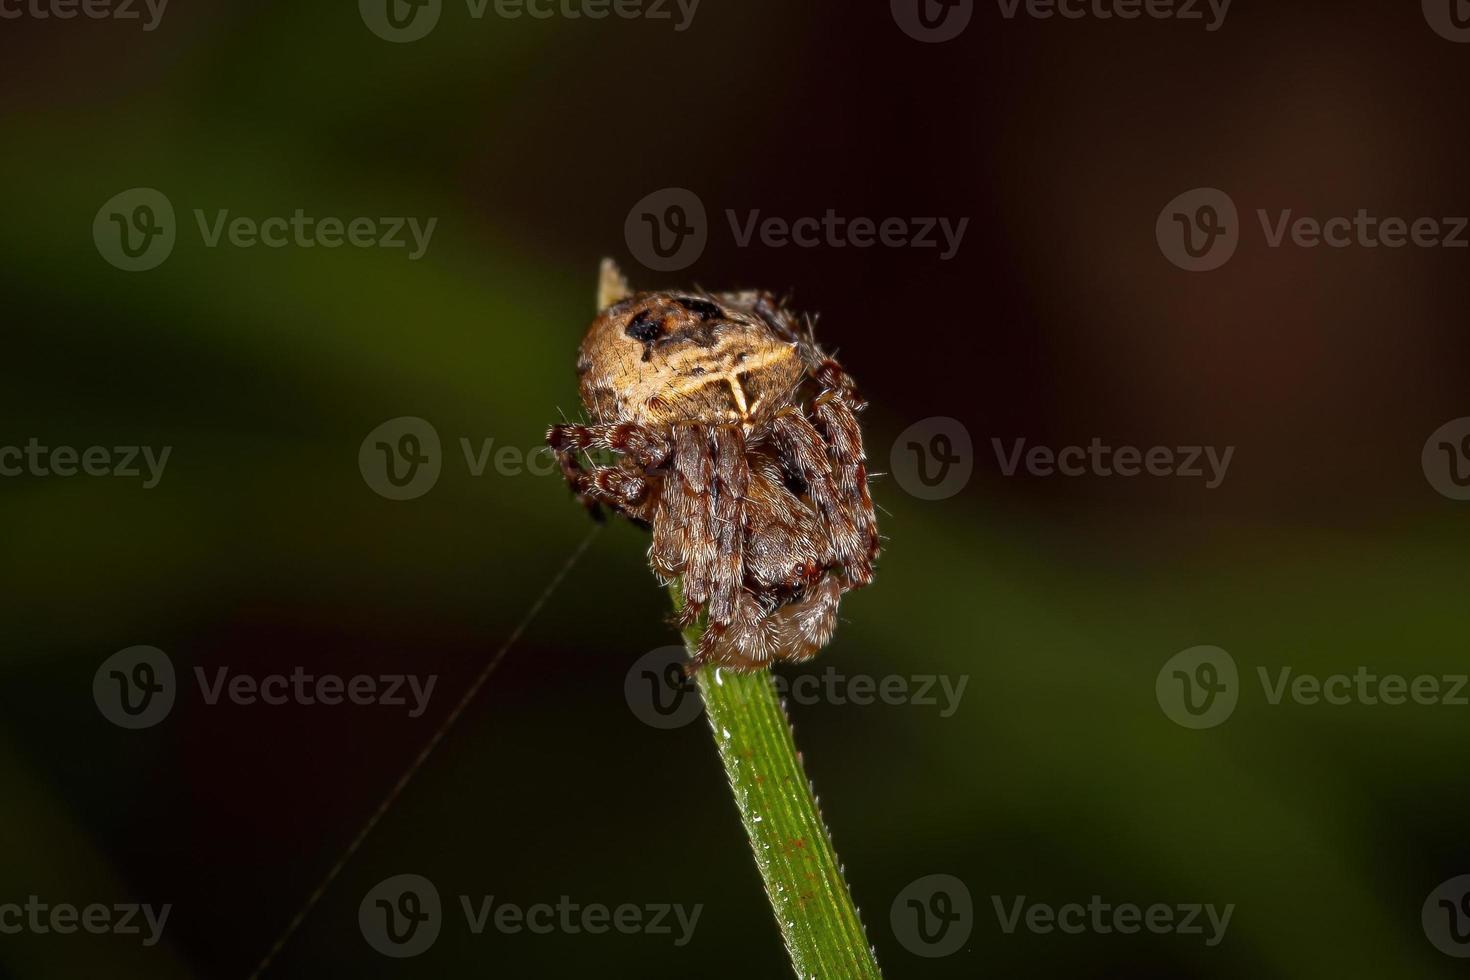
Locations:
column 793, row 848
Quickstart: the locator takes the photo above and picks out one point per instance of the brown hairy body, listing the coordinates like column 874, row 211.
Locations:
column 737, row 441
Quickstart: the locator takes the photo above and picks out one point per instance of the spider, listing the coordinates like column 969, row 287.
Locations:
column 736, row 441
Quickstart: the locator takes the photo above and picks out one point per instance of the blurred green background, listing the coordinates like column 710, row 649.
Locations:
column 1059, row 600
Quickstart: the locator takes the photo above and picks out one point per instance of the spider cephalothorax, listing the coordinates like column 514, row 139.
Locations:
column 737, row 442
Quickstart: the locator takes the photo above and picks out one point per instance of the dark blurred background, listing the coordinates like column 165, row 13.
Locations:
column 265, row 547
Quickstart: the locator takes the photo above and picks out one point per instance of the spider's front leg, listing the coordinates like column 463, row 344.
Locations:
column 624, row 487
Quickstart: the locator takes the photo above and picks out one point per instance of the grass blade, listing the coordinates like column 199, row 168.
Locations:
column 793, row 850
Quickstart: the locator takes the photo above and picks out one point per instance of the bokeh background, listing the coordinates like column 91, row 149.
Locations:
column 264, row 549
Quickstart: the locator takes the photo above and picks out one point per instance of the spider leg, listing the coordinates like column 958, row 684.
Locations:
column 835, row 413
column 736, row 632
column 835, row 417
column 618, row 486
column 803, row 450
column 731, row 485
column 746, row 643
column 804, row 627
column 831, row 376
column 683, row 525
column 650, row 448
column 625, row 490
column 786, row 548
column 699, row 535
